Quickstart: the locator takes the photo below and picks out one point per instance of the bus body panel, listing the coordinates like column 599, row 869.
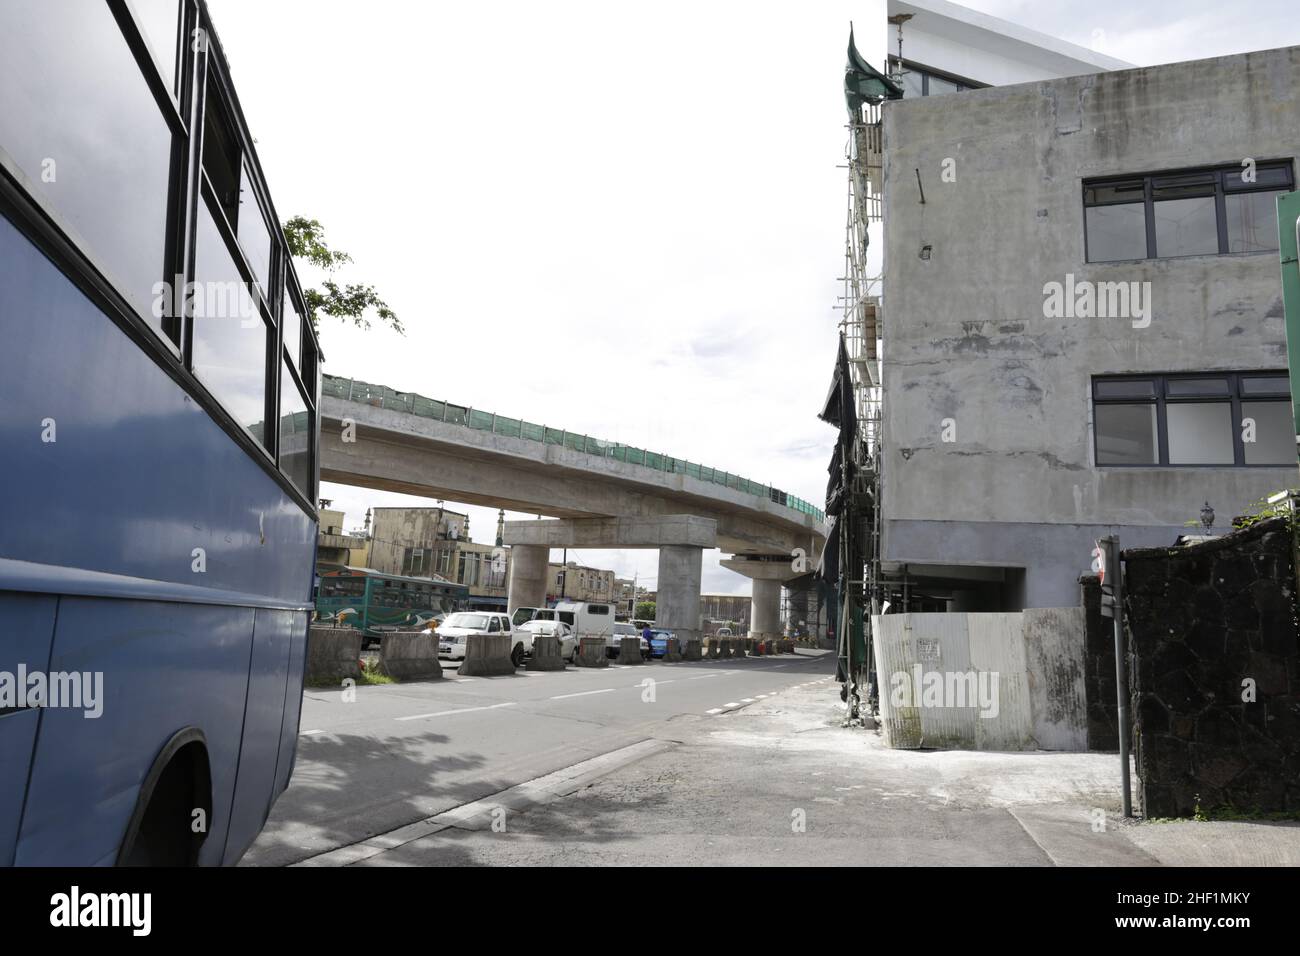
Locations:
column 29, row 631
column 263, row 720
column 146, row 543
column 139, row 475
column 287, row 754
column 137, row 478
column 166, row 667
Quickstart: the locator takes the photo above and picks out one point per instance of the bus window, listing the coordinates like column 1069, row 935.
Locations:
column 229, row 332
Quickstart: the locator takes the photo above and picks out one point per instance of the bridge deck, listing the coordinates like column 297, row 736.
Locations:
column 380, row 396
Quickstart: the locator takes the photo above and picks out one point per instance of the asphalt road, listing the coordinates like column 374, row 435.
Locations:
column 401, row 753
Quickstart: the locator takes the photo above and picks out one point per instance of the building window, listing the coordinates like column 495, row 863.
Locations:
column 1200, row 212
column 1223, row 419
column 918, row 80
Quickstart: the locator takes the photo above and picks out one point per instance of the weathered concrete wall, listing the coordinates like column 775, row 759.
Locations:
column 1004, row 681
column 1203, row 621
column 966, row 338
column 1055, row 641
column 395, row 529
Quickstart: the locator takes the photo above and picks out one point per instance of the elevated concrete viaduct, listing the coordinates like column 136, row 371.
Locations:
column 605, row 502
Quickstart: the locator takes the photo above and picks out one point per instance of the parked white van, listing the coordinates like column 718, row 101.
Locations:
column 587, row 619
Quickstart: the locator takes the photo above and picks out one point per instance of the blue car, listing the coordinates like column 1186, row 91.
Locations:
column 659, row 643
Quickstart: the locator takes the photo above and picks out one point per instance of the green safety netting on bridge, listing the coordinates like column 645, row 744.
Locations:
column 381, row 396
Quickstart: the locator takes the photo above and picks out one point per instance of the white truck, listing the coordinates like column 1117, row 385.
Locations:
column 588, row 619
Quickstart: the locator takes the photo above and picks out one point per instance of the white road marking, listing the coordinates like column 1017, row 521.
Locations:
column 715, row 710
column 463, row 680
column 747, row 700
column 309, row 733
column 732, row 704
column 462, row 710
column 585, row 693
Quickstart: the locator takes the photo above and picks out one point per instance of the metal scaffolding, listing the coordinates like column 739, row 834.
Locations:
column 858, row 588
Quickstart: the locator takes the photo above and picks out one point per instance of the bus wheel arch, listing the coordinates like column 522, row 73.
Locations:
column 161, row 830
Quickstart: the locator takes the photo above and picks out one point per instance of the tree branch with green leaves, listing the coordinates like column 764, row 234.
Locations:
column 352, row 301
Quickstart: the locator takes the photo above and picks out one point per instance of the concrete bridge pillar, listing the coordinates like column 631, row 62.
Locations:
column 678, row 603
column 765, row 609
column 528, row 566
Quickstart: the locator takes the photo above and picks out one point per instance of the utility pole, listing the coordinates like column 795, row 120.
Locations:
column 1112, row 606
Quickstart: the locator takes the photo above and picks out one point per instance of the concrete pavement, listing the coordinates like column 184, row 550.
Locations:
column 733, row 763
column 402, row 753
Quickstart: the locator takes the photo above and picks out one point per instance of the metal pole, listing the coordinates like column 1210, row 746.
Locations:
column 1121, row 673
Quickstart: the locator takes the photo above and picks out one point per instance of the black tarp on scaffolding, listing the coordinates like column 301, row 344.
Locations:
column 841, row 560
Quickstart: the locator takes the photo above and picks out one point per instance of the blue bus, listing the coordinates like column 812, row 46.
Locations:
column 158, row 417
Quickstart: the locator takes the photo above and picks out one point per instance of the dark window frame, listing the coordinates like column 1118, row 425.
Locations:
column 911, row 66
column 1221, row 192
column 1163, row 399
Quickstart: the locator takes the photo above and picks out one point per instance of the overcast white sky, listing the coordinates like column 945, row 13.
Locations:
column 620, row 219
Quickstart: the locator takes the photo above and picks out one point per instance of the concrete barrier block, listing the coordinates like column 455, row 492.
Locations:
column 715, row 649
column 738, row 647
column 333, row 653
column 693, row 651
column 409, row 655
column 546, row 654
column 591, row 653
column 724, row 649
column 629, row 650
column 487, row 655
column 672, row 653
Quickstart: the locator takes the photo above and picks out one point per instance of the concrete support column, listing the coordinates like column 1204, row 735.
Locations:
column 678, row 602
column 528, row 566
column 765, row 609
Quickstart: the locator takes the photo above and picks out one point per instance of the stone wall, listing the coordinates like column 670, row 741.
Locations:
column 1099, row 669
column 1203, row 620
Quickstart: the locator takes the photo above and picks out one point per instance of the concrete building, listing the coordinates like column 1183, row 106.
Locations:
column 334, row 546
column 722, row 610
column 416, row 541
column 947, row 48
column 423, row 542
column 577, row 582
column 1083, row 329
